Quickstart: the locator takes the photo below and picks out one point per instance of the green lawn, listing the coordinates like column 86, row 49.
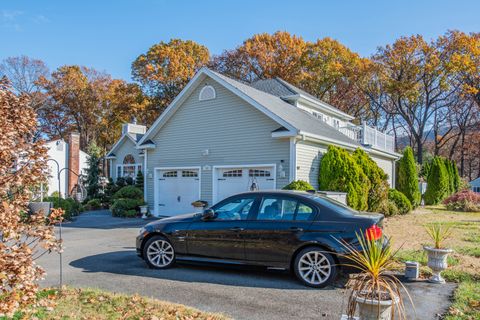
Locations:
column 408, row 236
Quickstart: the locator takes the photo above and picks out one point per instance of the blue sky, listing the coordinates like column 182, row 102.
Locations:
column 108, row 35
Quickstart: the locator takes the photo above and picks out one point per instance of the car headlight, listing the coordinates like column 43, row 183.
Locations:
column 142, row 230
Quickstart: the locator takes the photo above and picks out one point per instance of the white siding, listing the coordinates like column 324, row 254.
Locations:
column 233, row 132
column 308, row 155
column 57, row 150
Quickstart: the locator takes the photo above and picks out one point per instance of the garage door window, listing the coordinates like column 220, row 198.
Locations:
column 170, row 174
column 232, row 173
column 186, row 173
column 258, row 173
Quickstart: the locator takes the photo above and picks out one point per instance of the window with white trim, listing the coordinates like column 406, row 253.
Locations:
column 232, row 173
column 128, row 169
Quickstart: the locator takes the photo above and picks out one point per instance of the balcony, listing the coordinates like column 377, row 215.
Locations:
column 369, row 136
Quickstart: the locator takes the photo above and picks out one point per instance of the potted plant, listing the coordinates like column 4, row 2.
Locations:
column 374, row 291
column 437, row 255
column 199, row 205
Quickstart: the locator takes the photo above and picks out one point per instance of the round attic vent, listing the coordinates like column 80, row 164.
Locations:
column 207, row 93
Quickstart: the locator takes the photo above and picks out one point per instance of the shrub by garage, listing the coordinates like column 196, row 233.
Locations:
column 127, row 201
column 299, row 185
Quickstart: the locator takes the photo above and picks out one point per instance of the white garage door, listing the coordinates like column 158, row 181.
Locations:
column 230, row 181
column 177, row 189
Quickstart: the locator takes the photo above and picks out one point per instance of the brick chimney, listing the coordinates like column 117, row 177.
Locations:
column 73, row 160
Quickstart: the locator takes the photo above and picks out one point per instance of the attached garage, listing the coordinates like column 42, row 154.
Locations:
column 230, row 180
column 176, row 189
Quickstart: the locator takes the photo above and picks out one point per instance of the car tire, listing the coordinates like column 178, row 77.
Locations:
column 159, row 253
column 315, row 267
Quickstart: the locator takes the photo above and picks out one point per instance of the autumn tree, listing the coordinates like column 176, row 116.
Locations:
column 330, row 72
column 76, row 102
column 23, row 237
column 166, row 68
column 414, row 78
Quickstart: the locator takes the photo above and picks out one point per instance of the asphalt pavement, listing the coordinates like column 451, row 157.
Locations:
column 99, row 252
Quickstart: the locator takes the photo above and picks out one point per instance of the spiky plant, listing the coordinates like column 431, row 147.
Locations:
column 438, row 233
column 374, row 259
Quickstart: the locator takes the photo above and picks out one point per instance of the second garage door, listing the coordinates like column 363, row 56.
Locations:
column 177, row 189
column 233, row 180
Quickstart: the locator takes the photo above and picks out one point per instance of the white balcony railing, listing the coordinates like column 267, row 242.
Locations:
column 366, row 135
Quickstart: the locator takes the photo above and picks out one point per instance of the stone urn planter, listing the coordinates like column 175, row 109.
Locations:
column 368, row 309
column 144, row 211
column 437, row 261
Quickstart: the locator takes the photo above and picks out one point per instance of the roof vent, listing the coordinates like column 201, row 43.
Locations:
column 207, row 93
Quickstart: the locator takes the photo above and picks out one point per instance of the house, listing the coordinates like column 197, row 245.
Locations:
column 71, row 161
column 220, row 136
column 475, row 185
column 125, row 159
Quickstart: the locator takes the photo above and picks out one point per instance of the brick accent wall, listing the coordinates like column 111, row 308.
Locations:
column 73, row 160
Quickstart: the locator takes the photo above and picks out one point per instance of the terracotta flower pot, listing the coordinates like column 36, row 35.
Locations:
column 437, row 261
column 368, row 309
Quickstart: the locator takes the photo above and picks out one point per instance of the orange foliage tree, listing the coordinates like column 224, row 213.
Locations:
column 23, row 237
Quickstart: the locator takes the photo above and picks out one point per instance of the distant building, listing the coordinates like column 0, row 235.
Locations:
column 475, row 185
column 68, row 155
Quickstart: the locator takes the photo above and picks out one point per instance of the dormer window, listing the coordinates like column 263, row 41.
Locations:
column 207, row 93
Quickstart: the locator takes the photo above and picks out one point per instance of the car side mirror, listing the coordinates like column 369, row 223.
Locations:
column 208, row 214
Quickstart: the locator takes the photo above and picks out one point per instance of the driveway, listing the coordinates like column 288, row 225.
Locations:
column 99, row 252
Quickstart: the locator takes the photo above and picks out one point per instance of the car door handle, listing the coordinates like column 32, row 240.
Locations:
column 296, row 229
column 237, row 229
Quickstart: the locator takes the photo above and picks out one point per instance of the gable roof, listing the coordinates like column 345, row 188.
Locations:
column 132, row 136
column 295, row 120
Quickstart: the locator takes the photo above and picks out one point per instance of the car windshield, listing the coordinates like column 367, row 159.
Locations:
column 334, row 205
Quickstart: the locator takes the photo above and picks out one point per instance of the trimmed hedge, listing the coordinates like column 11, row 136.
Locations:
column 299, row 185
column 127, row 208
column 378, row 192
column 130, row 192
column 127, row 202
column 93, row 204
column 340, row 172
column 438, row 182
column 400, row 201
column 407, row 177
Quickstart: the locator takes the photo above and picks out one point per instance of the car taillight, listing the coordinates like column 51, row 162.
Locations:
column 373, row 233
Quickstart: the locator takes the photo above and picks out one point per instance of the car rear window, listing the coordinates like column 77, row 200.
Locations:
column 334, row 205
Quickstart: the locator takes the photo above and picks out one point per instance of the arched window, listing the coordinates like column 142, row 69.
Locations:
column 207, row 93
column 129, row 159
column 128, row 168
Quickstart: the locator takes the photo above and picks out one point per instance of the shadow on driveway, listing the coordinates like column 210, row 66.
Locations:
column 102, row 219
column 127, row 263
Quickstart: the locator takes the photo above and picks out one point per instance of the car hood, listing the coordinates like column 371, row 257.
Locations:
column 180, row 218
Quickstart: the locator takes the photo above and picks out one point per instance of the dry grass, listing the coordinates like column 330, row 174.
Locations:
column 100, row 305
column 408, row 232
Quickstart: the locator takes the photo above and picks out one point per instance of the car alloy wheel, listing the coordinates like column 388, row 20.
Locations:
column 315, row 267
column 159, row 253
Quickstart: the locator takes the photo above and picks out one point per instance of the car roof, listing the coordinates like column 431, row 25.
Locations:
column 305, row 194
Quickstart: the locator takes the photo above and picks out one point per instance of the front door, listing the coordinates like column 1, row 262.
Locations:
column 275, row 233
column 222, row 237
column 177, row 189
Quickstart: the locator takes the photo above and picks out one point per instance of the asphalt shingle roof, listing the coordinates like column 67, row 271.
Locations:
column 297, row 118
